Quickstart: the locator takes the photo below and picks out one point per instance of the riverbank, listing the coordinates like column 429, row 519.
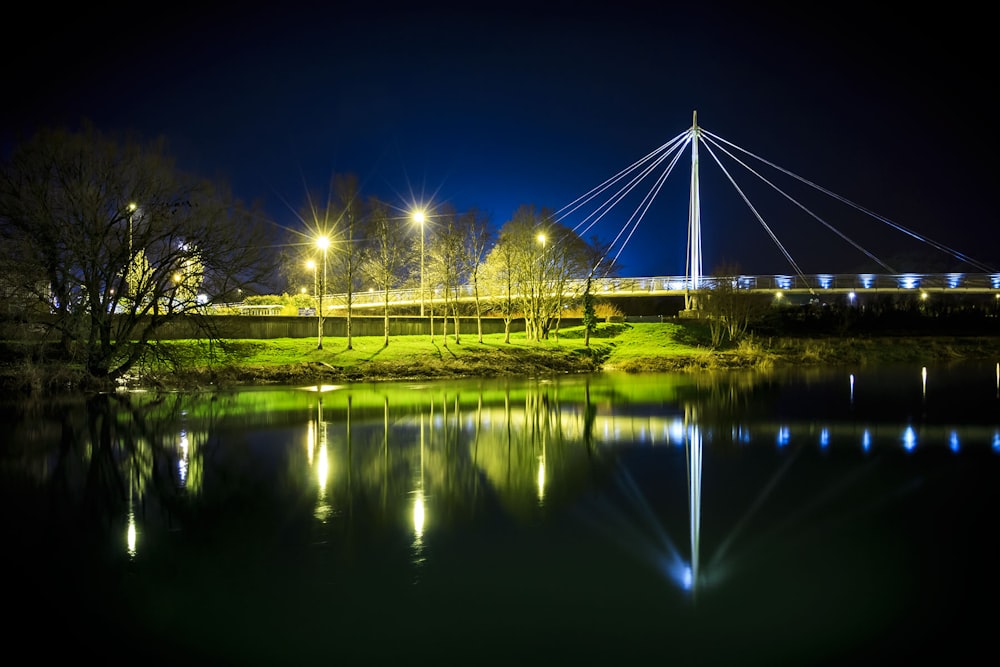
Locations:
column 624, row 348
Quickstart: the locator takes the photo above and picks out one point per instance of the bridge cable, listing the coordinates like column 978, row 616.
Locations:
column 586, row 197
column 655, row 159
column 797, row 203
column 940, row 246
column 770, row 233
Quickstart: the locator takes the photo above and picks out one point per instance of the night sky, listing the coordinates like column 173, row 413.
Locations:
column 539, row 103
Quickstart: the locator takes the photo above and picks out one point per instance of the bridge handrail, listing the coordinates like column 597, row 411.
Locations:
column 666, row 285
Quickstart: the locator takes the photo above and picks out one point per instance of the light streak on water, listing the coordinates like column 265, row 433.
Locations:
column 130, row 536
column 694, row 501
column 909, row 439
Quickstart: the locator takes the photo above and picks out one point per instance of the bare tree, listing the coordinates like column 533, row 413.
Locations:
column 477, row 238
column 499, row 277
column 450, row 262
column 350, row 235
column 385, row 255
column 105, row 233
column 538, row 257
column 730, row 306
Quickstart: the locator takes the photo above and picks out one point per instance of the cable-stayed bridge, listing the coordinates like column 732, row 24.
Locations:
column 593, row 207
column 584, row 214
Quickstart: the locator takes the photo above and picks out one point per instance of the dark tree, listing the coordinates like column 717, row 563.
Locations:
column 109, row 239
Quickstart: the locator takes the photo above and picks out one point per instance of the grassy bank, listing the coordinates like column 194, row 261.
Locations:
column 629, row 348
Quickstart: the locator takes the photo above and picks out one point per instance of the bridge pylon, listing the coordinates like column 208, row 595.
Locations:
column 693, row 266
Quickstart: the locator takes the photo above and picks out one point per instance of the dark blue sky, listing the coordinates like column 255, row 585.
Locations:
column 538, row 103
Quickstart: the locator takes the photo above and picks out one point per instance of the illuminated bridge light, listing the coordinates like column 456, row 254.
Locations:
column 908, row 281
column 953, row 442
column 866, row 440
column 909, row 439
column 783, row 436
column 995, row 280
column 955, row 280
column 747, row 282
column 996, row 441
column 825, row 280
column 867, row 280
column 784, row 282
column 824, row 438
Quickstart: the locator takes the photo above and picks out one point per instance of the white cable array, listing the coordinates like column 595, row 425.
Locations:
column 629, row 179
column 935, row 244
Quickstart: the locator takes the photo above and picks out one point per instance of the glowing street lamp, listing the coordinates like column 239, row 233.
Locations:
column 419, row 218
column 322, row 243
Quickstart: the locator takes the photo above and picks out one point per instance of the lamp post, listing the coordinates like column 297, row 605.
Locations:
column 419, row 218
column 322, row 243
column 130, row 271
column 131, row 211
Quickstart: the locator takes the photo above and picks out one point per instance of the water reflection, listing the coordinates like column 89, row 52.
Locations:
column 700, row 478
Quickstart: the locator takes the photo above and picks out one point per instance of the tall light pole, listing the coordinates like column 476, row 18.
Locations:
column 419, row 218
column 130, row 271
column 322, row 243
column 131, row 211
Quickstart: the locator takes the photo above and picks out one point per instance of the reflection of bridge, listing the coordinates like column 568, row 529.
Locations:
column 817, row 285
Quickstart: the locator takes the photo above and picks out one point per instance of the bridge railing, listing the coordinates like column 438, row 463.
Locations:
column 787, row 282
column 678, row 285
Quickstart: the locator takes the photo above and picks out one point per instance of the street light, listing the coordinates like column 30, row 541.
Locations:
column 322, row 243
column 419, row 218
column 130, row 271
column 131, row 210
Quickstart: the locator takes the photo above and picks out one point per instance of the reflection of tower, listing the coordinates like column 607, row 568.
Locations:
column 694, row 456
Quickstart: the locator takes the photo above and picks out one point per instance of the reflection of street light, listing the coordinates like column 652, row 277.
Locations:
column 419, row 218
column 322, row 243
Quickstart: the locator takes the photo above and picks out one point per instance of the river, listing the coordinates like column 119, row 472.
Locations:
column 789, row 517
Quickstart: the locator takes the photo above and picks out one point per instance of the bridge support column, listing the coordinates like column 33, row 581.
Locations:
column 693, row 268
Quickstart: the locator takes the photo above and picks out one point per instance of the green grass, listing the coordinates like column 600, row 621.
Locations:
column 631, row 348
column 611, row 342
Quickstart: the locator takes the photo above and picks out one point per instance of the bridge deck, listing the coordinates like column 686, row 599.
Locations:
column 864, row 283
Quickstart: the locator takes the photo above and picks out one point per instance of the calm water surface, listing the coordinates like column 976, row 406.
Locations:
column 834, row 517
